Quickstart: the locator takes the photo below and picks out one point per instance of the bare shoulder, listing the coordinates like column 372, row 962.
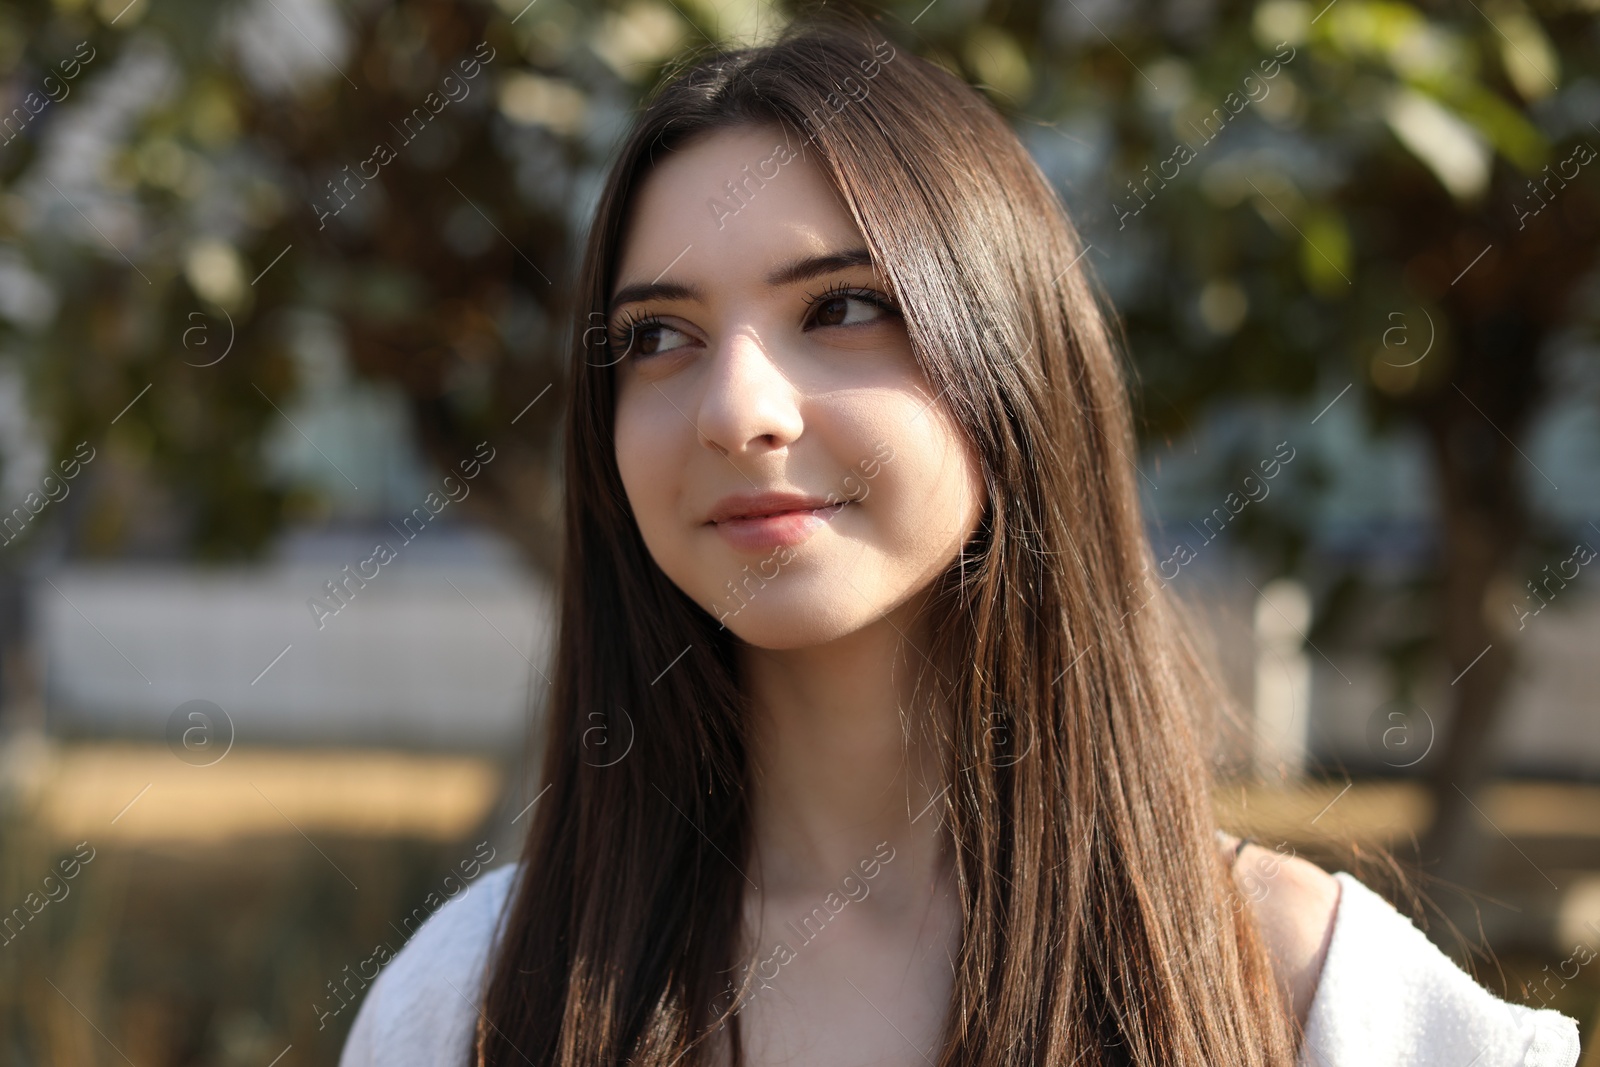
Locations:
column 1295, row 903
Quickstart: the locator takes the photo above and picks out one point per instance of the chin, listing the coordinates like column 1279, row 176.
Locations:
column 793, row 622
column 813, row 614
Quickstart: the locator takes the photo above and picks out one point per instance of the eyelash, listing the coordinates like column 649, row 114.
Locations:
column 621, row 338
column 870, row 296
column 629, row 326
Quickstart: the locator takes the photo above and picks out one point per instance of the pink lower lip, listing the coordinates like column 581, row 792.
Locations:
column 775, row 531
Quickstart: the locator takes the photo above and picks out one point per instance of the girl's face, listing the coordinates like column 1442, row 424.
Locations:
column 758, row 354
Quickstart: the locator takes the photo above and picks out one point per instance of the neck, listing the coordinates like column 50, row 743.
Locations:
column 843, row 762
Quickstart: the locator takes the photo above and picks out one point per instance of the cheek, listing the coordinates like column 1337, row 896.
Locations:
column 931, row 493
column 646, row 444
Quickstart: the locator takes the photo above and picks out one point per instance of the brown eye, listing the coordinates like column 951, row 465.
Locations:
column 832, row 311
column 658, row 337
column 648, row 337
column 848, row 308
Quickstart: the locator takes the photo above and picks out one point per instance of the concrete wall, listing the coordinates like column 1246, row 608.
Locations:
column 435, row 654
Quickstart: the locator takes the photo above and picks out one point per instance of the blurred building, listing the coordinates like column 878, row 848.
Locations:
column 445, row 647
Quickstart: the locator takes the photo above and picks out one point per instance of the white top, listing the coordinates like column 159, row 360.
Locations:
column 1387, row 996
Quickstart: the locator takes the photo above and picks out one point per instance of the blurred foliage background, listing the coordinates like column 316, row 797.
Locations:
column 1385, row 204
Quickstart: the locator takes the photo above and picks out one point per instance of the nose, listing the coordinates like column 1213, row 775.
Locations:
column 749, row 405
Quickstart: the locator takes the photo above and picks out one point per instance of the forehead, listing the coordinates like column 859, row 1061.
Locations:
column 724, row 208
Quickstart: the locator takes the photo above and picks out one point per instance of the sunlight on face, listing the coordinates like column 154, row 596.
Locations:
column 759, row 353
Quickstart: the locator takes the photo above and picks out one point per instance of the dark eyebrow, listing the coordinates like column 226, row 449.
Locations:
column 809, row 267
column 798, row 270
column 638, row 294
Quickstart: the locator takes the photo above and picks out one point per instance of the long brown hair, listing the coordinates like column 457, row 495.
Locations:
column 1099, row 921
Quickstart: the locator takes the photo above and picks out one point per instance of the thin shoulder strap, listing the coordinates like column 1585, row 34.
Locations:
column 1243, row 841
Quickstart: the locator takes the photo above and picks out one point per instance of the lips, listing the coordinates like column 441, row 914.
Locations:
column 758, row 505
column 762, row 523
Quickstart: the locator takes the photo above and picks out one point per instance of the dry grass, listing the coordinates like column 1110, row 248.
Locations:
column 223, row 899
column 137, row 794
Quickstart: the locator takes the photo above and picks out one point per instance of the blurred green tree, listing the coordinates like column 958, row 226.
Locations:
column 1400, row 200
column 214, row 170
